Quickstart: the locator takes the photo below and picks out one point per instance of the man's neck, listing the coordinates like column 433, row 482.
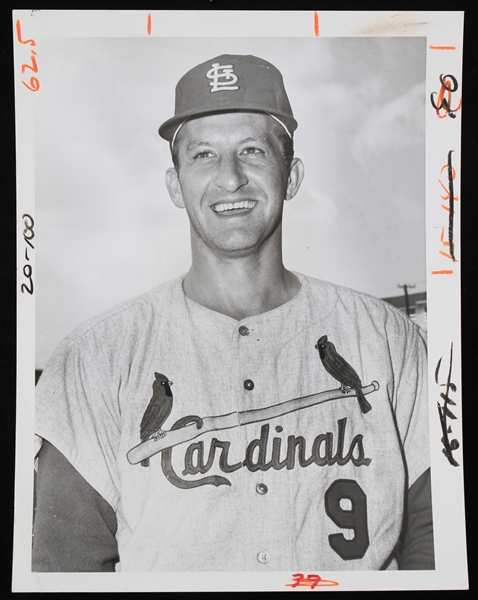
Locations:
column 240, row 287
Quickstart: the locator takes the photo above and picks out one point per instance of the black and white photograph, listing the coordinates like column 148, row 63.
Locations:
column 233, row 257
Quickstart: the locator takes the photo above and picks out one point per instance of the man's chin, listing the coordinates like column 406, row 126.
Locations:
column 237, row 242
column 235, row 250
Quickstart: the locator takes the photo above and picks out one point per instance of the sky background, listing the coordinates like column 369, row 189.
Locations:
column 105, row 227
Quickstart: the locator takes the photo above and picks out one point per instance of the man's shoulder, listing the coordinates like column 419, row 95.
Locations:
column 323, row 288
column 130, row 314
column 113, row 339
column 354, row 304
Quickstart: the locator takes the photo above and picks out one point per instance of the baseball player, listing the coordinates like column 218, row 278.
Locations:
column 241, row 417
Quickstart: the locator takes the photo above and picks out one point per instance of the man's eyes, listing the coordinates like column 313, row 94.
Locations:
column 203, row 154
column 249, row 151
column 252, row 150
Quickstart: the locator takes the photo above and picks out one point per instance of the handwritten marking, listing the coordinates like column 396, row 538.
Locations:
column 445, row 254
column 313, row 580
column 449, row 85
column 34, row 66
column 432, row 47
column 34, row 83
column 449, row 196
column 451, row 199
column 148, row 26
column 316, row 23
column 19, row 35
column 445, row 412
column 28, row 235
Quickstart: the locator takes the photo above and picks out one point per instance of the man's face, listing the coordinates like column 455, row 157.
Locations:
column 233, row 180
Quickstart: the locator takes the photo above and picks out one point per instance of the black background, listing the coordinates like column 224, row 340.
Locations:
column 469, row 234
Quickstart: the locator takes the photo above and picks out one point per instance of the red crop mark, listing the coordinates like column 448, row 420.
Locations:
column 432, row 47
column 443, row 272
column 316, row 24
column 148, row 24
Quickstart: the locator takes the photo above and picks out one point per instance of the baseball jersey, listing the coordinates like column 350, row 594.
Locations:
column 289, row 474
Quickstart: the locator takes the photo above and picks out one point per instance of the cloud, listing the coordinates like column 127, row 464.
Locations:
column 393, row 125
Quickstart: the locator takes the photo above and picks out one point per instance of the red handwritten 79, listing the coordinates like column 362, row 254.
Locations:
column 311, row 581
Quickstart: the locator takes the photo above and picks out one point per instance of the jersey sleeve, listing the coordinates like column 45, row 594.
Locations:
column 76, row 412
column 412, row 416
column 74, row 527
column 411, row 406
column 417, row 548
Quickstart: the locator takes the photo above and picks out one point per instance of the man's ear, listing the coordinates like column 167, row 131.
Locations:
column 174, row 188
column 295, row 178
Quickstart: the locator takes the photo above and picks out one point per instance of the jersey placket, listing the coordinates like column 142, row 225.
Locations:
column 255, row 343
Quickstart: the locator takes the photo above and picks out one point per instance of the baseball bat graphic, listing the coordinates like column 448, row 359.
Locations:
column 185, row 434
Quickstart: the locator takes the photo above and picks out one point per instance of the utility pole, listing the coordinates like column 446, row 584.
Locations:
column 406, row 287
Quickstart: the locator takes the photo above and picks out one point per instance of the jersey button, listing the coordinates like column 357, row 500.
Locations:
column 261, row 488
column 264, row 557
column 243, row 330
column 249, row 384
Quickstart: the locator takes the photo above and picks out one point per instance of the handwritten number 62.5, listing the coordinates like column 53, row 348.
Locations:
column 34, row 83
column 355, row 518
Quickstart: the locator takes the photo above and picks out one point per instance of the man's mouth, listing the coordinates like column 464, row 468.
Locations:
column 233, row 206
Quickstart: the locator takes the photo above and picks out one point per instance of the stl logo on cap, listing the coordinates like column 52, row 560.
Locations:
column 222, row 78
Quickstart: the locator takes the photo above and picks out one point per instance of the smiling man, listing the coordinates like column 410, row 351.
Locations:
column 233, row 187
column 219, row 422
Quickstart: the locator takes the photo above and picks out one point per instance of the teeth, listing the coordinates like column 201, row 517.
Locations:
column 234, row 205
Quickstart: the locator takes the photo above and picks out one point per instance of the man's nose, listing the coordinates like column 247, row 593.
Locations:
column 230, row 174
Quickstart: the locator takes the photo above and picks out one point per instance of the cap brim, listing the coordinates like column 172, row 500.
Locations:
column 169, row 127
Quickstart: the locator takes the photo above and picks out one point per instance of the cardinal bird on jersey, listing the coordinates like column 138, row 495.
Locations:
column 339, row 368
column 159, row 409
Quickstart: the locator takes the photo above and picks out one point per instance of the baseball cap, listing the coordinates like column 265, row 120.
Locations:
column 230, row 83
